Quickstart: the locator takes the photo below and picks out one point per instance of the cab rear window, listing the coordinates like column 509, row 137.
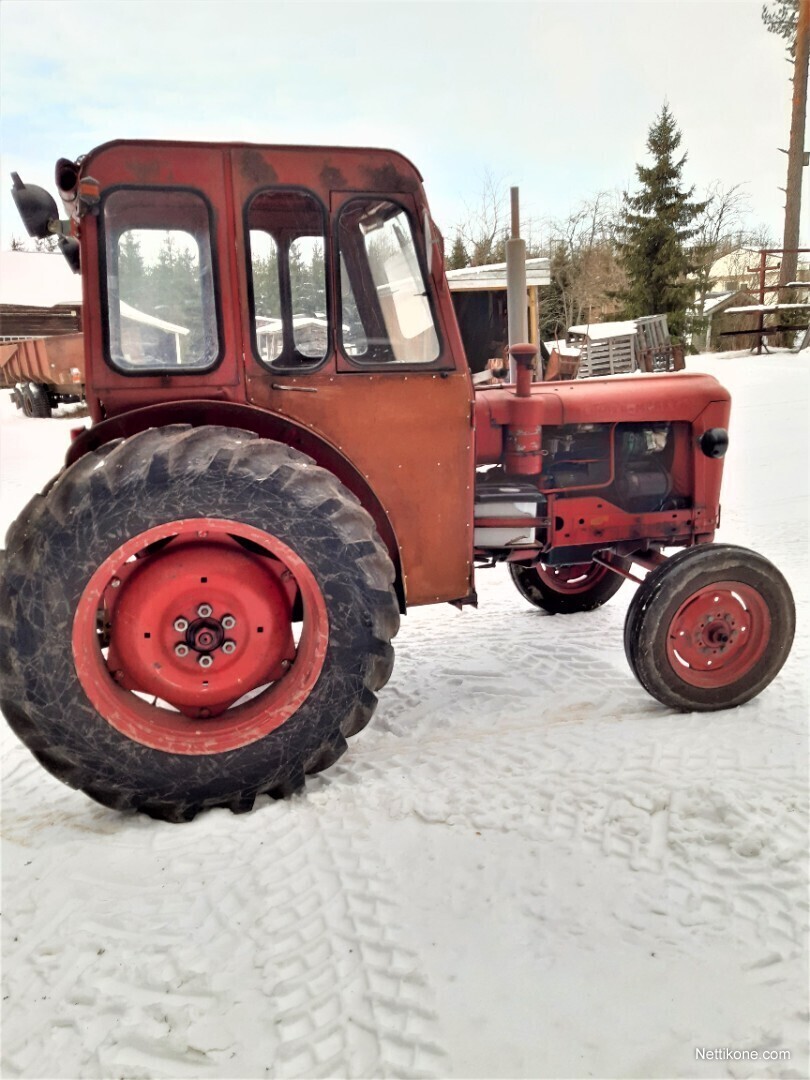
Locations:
column 160, row 293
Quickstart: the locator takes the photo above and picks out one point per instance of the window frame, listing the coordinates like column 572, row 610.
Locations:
column 158, row 372
column 301, row 364
column 351, row 363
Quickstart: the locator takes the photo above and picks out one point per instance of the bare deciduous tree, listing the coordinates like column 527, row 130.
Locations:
column 484, row 229
column 585, row 271
column 724, row 209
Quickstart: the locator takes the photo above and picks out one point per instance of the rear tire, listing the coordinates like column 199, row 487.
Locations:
column 35, row 402
column 269, row 535
column 710, row 628
column 566, row 590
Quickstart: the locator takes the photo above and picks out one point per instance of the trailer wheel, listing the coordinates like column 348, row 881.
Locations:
column 193, row 619
column 35, row 401
column 710, row 628
column 565, row 590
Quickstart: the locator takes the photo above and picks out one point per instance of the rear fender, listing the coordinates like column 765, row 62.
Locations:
column 265, row 424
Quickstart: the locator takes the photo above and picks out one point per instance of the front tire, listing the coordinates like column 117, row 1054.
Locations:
column 566, row 590
column 193, row 618
column 710, row 628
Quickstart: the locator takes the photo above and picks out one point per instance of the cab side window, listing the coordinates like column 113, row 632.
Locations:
column 288, row 276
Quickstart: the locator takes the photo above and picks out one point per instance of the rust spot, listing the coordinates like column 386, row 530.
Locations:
column 388, row 178
column 255, row 168
column 333, row 179
column 144, row 171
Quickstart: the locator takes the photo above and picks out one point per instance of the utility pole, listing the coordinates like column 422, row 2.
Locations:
column 793, row 191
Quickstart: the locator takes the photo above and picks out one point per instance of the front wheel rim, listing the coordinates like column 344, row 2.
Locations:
column 718, row 634
column 197, row 615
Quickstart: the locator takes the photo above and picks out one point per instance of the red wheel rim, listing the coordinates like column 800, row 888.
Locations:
column 718, row 634
column 198, row 616
column 572, row 579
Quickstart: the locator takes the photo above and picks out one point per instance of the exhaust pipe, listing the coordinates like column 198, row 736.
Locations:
column 67, row 182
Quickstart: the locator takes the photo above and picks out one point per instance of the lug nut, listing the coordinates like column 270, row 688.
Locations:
column 205, row 660
column 228, row 646
column 181, row 650
column 204, row 610
column 228, row 622
column 181, row 625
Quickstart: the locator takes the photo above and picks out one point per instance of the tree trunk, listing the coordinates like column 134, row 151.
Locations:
column 793, row 197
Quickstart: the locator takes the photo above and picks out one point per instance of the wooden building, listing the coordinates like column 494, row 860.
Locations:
column 39, row 296
column 721, row 323
column 479, row 298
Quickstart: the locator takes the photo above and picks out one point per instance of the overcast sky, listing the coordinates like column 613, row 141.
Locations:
column 556, row 96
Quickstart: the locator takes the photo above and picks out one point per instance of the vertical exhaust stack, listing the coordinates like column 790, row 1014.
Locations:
column 522, row 437
column 518, row 323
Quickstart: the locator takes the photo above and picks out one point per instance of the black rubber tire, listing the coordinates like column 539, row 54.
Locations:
column 662, row 593
column 158, row 476
column 539, row 590
column 35, row 401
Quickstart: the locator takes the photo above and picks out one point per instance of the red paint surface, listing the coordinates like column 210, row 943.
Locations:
column 155, row 588
column 718, row 634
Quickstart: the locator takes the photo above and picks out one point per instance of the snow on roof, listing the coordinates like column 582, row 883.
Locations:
column 132, row 313
column 601, row 331
column 716, row 302
column 765, row 308
column 562, row 348
column 37, row 279
column 493, row 275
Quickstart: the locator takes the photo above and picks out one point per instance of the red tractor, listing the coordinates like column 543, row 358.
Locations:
column 287, row 452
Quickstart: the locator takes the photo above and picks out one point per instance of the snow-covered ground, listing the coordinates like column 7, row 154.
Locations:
column 525, row 867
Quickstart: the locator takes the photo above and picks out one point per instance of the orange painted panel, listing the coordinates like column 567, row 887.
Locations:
column 410, row 436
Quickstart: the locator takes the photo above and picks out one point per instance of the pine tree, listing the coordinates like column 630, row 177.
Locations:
column 554, row 320
column 457, row 259
column 656, row 227
column 782, row 17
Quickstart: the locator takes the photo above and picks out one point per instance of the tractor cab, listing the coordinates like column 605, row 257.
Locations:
column 300, row 293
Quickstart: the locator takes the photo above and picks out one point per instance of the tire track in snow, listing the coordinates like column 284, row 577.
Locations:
column 323, row 982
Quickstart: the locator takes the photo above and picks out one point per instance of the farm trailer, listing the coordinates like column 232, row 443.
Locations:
column 43, row 373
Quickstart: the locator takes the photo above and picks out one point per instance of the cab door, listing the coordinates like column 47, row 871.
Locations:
column 362, row 353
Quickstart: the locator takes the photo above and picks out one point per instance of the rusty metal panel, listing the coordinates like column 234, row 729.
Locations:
column 203, row 168
column 52, row 361
column 409, row 435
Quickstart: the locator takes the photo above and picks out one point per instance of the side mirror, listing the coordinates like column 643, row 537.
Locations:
column 69, row 246
column 36, row 207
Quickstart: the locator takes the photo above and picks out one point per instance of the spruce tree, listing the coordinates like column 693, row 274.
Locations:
column 655, row 230
column 457, row 258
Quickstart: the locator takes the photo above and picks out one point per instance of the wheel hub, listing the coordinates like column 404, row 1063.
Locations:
column 168, row 633
column 205, row 635
column 718, row 633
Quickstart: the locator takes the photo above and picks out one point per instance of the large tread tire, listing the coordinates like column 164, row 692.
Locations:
column 653, row 617
column 35, row 403
column 552, row 591
column 158, row 476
